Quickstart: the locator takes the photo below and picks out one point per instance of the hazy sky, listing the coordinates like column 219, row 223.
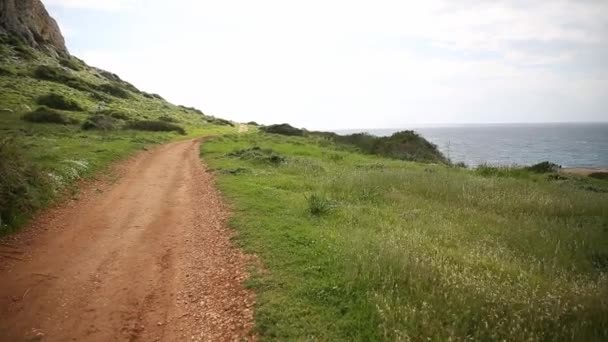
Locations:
column 354, row 64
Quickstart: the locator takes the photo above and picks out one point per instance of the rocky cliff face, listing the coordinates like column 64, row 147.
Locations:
column 30, row 20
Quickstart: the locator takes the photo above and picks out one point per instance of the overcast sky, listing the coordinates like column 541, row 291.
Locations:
column 354, row 64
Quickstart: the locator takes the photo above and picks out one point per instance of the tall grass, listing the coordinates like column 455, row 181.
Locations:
column 413, row 251
column 23, row 186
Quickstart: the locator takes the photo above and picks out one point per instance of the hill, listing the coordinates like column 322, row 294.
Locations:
column 62, row 120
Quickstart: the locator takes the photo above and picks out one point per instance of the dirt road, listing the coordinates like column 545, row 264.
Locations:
column 147, row 258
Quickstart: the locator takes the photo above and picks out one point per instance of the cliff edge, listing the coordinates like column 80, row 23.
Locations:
column 30, row 20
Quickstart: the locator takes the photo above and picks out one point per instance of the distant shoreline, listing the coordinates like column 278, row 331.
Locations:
column 573, row 145
column 456, row 125
column 583, row 171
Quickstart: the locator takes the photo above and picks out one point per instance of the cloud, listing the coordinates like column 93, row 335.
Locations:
column 328, row 64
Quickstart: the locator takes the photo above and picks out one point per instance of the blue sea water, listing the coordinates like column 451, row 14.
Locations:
column 567, row 144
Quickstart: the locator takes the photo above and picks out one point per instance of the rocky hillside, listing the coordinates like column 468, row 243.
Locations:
column 29, row 20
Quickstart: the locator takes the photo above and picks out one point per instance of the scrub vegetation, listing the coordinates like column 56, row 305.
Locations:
column 359, row 247
column 405, row 145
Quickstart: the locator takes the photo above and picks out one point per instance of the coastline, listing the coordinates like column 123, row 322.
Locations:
column 583, row 171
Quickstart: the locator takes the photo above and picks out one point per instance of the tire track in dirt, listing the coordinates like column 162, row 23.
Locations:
column 148, row 258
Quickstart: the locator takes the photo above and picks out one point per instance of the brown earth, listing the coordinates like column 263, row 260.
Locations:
column 147, row 258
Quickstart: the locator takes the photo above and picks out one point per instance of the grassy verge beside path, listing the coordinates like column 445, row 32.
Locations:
column 356, row 247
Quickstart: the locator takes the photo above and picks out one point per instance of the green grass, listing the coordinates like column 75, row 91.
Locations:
column 356, row 247
column 41, row 158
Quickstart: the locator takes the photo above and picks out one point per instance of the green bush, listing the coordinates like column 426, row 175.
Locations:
column 167, row 118
column 58, row 75
column 504, row 171
column 283, row 129
column 46, row 115
column 404, row 145
column 253, row 123
column 78, row 84
column 100, row 97
column 258, row 154
column 25, row 52
column 152, row 96
column 21, row 47
column 599, row 175
column 116, row 114
column 191, row 109
column 5, row 72
column 71, row 63
column 318, row 205
column 155, row 126
column 23, row 187
column 58, row 101
column 543, row 167
column 114, row 90
column 101, row 122
column 221, row 122
column 408, row 145
column 51, row 73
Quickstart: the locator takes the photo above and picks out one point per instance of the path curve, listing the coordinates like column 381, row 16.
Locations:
column 148, row 258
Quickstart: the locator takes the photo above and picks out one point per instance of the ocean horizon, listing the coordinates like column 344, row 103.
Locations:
column 566, row 144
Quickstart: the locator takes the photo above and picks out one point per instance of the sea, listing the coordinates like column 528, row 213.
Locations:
column 566, row 144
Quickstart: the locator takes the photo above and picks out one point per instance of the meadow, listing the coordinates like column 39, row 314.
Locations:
column 357, row 247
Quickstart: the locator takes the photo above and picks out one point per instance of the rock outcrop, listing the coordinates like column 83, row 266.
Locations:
column 30, row 20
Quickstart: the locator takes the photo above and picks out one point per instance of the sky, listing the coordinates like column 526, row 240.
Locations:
column 349, row 64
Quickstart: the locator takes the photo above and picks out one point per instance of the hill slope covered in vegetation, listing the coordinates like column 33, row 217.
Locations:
column 62, row 120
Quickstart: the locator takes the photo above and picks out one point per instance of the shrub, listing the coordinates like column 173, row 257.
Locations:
column 153, row 96
column 101, row 122
column 405, row 145
column 116, row 114
column 99, row 97
column 543, row 167
column 23, row 187
column 47, row 115
column 50, row 73
column 599, row 175
column 167, row 118
column 5, row 72
column 58, row 101
column 253, row 123
column 155, row 126
column 191, row 109
column 318, row 205
column 25, row 52
column 109, row 76
column 503, row 171
column 408, row 145
column 283, row 129
column 114, row 90
column 19, row 45
column 259, row 154
column 71, row 63
column 57, row 75
column 78, row 84
column 221, row 122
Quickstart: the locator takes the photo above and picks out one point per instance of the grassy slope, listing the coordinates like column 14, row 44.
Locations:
column 66, row 152
column 414, row 251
